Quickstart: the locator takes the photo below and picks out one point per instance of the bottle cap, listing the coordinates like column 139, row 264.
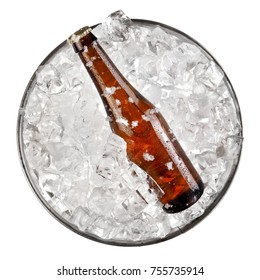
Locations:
column 82, row 32
column 77, row 39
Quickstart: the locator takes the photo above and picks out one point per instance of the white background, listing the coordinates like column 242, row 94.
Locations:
column 33, row 243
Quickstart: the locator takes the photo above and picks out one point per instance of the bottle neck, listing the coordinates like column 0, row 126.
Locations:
column 122, row 102
column 102, row 70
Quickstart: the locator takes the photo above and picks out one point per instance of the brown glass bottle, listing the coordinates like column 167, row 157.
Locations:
column 150, row 143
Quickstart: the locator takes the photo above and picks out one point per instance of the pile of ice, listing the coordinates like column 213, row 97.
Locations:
column 80, row 167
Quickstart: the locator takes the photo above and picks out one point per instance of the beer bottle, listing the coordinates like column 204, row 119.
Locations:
column 150, row 142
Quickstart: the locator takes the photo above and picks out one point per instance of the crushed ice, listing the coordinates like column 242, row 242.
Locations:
column 80, row 166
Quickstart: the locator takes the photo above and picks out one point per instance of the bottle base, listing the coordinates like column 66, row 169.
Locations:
column 184, row 201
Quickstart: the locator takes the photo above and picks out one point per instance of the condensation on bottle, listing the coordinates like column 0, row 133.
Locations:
column 150, row 142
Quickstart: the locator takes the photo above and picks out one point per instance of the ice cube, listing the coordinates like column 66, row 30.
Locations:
column 114, row 160
column 37, row 155
column 83, row 218
column 35, row 106
column 152, row 92
column 148, row 194
column 101, row 201
column 137, row 228
column 116, row 26
column 211, row 75
column 102, row 227
column 50, row 80
column 50, row 183
column 134, row 204
column 160, row 40
column 51, row 128
column 67, row 158
column 76, row 196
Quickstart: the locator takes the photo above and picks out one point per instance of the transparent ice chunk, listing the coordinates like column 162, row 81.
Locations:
column 66, row 158
column 102, row 227
column 134, row 204
column 194, row 212
column 121, row 214
column 147, row 194
column 51, row 128
column 83, row 218
column 75, row 196
column 50, row 183
column 160, row 40
column 114, row 156
column 35, row 106
column 37, row 155
column 137, row 228
column 101, row 201
column 116, row 26
column 210, row 75
column 50, row 80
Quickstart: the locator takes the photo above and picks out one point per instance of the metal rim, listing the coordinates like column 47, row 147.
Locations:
column 187, row 227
